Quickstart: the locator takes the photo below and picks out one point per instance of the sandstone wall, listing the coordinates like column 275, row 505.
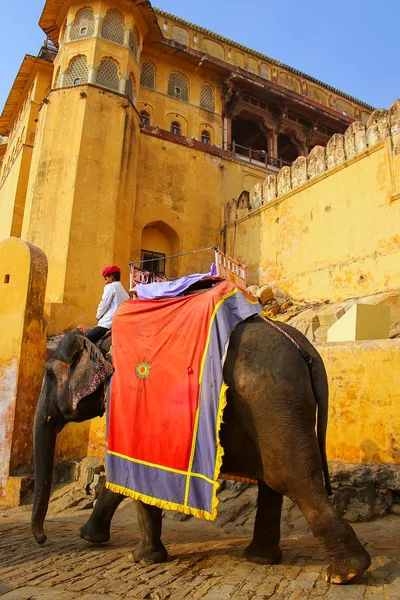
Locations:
column 326, row 228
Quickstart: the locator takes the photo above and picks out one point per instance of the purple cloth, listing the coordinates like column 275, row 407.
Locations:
column 170, row 289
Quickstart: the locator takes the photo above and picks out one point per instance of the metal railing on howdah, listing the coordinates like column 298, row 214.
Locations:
column 226, row 268
column 258, row 156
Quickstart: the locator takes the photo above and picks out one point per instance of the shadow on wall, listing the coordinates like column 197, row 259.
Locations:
column 249, row 233
column 370, row 452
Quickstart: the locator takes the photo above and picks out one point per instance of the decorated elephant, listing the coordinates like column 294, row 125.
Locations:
column 277, row 385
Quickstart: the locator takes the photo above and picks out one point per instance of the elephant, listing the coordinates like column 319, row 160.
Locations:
column 274, row 431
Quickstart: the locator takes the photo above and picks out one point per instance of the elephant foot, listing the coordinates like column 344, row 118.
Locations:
column 94, row 535
column 263, row 555
column 148, row 555
column 344, row 571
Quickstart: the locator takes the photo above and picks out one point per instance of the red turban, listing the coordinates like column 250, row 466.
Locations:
column 109, row 270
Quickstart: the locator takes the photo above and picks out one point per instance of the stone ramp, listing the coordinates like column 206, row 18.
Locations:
column 203, row 564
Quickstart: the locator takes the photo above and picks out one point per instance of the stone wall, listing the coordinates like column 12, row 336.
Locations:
column 326, row 228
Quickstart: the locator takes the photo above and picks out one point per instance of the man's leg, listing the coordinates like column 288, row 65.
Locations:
column 96, row 333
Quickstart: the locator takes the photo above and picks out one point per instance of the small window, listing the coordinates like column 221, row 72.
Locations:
column 344, row 113
column 207, row 97
column 107, row 75
column 206, row 137
column 178, row 87
column 176, row 128
column 148, row 76
column 164, row 26
column 153, row 262
column 144, row 117
column 77, row 73
column 113, row 27
column 83, row 26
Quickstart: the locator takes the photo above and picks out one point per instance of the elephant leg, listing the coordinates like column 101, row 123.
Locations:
column 347, row 557
column 264, row 547
column 150, row 548
column 97, row 529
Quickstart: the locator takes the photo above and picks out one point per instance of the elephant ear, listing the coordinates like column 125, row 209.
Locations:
column 88, row 371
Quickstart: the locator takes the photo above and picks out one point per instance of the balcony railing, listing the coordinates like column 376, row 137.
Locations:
column 258, row 156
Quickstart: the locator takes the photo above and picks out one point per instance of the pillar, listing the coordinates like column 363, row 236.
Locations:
column 23, row 276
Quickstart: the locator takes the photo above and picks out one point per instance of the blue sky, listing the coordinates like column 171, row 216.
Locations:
column 350, row 44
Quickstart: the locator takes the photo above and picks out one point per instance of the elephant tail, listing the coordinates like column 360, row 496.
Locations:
column 319, row 382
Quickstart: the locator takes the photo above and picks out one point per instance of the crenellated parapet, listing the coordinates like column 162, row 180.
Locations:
column 340, row 148
column 394, row 120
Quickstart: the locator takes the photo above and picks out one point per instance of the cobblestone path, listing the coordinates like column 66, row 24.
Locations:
column 202, row 564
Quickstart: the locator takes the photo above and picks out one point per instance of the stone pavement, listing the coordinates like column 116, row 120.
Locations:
column 204, row 563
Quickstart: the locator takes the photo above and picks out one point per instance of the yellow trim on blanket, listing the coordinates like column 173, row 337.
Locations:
column 196, row 423
column 220, row 450
column 203, row 360
column 187, row 510
column 154, row 466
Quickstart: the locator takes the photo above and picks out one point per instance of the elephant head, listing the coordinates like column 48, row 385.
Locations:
column 72, row 390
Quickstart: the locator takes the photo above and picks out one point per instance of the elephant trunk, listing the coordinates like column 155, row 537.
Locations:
column 44, row 441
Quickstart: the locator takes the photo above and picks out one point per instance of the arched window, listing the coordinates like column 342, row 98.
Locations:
column 206, row 137
column 207, row 97
column 77, row 73
column 133, row 42
column 144, row 117
column 113, row 27
column 83, row 26
column 148, row 76
column 178, row 86
column 130, row 89
column 176, row 128
column 107, row 75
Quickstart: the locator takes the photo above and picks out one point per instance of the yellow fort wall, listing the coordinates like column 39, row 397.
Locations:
column 23, row 271
column 364, row 383
column 328, row 227
column 16, row 163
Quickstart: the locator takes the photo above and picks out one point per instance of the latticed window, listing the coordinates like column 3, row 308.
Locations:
column 133, row 43
column 107, row 75
column 176, row 128
column 78, row 72
column 130, row 89
column 83, row 26
column 178, row 86
column 113, row 27
column 206, row 137
column 207, row 97
column 148, row 76
column 144, row 117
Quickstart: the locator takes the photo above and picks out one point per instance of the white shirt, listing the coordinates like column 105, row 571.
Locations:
column 114, row 294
